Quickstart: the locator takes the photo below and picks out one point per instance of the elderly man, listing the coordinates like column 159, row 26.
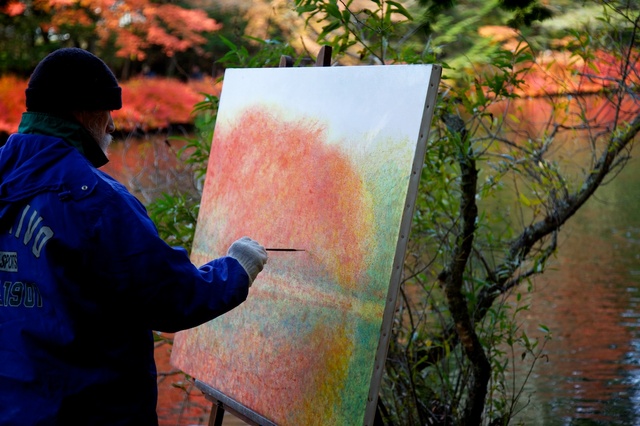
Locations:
column 84, row 277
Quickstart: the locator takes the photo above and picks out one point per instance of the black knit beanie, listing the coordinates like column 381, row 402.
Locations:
column 72, row 79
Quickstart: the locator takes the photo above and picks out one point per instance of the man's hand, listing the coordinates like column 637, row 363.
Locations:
column 251, row 255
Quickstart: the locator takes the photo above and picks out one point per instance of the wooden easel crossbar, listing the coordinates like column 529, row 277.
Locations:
column 222, row 403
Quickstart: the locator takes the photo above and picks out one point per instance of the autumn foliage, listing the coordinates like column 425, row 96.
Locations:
column 159, row 102
column 153, row 103
column 148, row 104
column 135, row 25
column 562, row 73
column 12, row 100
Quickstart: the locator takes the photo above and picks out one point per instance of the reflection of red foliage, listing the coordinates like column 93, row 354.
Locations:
column 147, row 103
column 175, row 406
column 588, row 361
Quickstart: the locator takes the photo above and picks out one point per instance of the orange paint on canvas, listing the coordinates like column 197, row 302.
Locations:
column 285, row 185
column 297, row 190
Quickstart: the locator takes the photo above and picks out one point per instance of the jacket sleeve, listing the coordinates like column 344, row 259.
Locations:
column 154, row 284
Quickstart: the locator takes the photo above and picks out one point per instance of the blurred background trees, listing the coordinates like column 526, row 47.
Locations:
column 127, row 34
column 501, row 177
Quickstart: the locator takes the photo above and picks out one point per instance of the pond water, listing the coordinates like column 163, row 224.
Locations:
column 589, row 298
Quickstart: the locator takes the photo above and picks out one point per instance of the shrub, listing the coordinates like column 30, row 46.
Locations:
column 12, row 99
column 156, row 103
column 152, row 103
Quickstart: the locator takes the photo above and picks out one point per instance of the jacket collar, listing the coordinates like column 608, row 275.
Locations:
column 71, row 131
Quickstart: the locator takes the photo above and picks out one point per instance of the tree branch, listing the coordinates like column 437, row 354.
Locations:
column 564, row 208
column 454, row 280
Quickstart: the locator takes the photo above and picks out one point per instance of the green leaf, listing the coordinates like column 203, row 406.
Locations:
column 328, row 28
column 228, row 42
column 400, row 9
column 524, row 200
column 346, row 16
column 306, row 8
column 333, row 10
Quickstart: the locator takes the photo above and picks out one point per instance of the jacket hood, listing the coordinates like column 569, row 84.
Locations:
column 31, row 164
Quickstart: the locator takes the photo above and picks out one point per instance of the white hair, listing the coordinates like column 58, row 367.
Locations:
column 93, row 122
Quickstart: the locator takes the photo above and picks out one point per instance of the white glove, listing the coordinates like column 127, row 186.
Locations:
column 251, row 255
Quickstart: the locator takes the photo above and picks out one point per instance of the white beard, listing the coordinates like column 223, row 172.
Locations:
column 104, row 142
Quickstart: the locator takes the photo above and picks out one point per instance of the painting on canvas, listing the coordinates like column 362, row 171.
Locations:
column 324, row 160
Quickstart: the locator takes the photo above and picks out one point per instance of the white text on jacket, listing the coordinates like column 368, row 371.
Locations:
column 31, row 229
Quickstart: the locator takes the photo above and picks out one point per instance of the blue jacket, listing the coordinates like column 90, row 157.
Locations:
column 84, row 278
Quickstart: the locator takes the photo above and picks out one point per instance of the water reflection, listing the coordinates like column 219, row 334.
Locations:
column 589, row 298
column 148, row 165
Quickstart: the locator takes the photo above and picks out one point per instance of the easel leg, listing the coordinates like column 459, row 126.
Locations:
column 217, row 414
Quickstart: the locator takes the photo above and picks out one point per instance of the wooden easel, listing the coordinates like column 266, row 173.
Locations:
column 323, row 59
column 220, row 402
